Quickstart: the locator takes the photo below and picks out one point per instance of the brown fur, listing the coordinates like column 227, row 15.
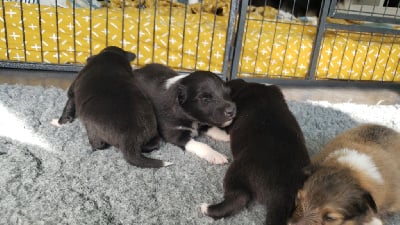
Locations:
column 337, row 193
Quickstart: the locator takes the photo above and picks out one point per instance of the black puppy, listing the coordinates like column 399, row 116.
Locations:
column 268, row 151
column 113, row 107
column 185, row 104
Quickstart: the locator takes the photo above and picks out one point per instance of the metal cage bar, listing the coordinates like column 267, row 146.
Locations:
column 235, row 37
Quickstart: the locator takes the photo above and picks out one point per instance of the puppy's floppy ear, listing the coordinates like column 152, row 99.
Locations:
column 235, row 83
column 130, row 56
column 370, row 201
column 235, row 86
column 182, row 94
column 89, row 58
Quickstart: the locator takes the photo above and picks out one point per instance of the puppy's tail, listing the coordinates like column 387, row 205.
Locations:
column 135, row 157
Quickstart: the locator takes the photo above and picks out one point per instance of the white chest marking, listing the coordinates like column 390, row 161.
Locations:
column 374, row 221
column 357, row 161
column 173, row 80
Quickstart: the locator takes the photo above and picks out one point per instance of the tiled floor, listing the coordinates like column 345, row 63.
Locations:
column 332, row 94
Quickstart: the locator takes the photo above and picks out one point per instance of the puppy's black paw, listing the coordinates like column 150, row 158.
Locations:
column 152, row 145
column 65, row 119
column 98, row 145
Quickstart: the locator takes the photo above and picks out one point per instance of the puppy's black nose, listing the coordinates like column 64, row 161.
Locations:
column 230, row 111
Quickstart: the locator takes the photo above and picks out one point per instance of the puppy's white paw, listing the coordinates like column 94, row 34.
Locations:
column 216, row 157
column 205, row 152
column 204, row 208
column 165, row 164
column 218, row 134
column 54, row 122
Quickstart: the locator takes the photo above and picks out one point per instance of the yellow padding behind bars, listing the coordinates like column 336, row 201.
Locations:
column 190, row 41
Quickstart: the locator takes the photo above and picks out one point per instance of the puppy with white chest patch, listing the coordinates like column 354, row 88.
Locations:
column 269, row 154
column 113, row 108
column 185, row 104
column 354, row 180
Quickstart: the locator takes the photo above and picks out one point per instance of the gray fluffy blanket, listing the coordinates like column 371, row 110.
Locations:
column 49, row 175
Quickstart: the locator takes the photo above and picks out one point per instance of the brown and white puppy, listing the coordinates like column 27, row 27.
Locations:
column 354, row 180
column 268, row 151
column 113, row 107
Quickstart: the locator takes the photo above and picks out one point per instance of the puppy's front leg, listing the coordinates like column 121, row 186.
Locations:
column 218, row 134
column 183, row 139
column 206, row 152
column 68, row 115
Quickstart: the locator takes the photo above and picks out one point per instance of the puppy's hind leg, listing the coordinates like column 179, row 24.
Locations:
column 133, row 154
column 96, row 142
column 68, row 115
column 151, row 145
column 232, row 204
column 236, row 195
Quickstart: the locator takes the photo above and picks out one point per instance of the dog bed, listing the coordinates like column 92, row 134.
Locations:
column 186, row 39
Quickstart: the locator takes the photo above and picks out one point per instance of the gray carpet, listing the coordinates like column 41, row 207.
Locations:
column 49, row 175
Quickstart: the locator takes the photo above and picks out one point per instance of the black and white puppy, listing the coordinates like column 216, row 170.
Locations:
column 268, row 151
column 185, row 104
column 113, row 107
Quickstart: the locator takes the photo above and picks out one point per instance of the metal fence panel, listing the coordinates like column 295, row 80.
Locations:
column 337, row 47
column 185, row 37
column 252, row 39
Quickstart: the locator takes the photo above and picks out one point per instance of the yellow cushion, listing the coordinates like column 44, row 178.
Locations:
column 192, row 42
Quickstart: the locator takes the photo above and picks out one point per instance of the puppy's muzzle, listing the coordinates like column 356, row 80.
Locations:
column 230, row 111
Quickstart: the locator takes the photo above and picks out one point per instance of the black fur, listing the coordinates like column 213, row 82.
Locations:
column 268, row 151
column 391, row 3
column 113, row 108
column 200, row 97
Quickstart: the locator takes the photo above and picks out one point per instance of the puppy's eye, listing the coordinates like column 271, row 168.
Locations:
column 205, row 99
column 329, row 218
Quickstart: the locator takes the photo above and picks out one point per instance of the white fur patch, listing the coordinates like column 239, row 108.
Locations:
column 173, row 80
column 167, row 164
column 205, row 152
column 194, row 130
column 358, row 161
column 218, row 134
column 285, row 15
column 204, row 208
column 227, row 123
column 374, row 221
column 192, row 1
column 54, row 122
